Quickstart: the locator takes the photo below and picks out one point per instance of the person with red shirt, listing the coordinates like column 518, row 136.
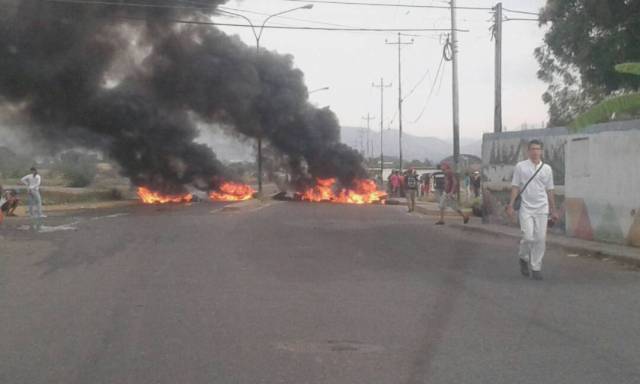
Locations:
column 395, row 183
column 448, row 197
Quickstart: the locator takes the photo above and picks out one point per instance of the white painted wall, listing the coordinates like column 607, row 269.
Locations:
column 604, row 168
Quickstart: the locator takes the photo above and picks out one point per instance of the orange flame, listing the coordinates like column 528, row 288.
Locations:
column 232, row 192
column 149, row 197
column 364, row 192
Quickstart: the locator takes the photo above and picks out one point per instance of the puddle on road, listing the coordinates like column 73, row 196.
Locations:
column 110, row 216
column 41, row 228
column 47, row 228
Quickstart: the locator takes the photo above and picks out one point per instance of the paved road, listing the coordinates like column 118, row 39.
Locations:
column 302, row 293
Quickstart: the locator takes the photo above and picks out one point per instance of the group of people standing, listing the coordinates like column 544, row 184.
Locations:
column 398, row 183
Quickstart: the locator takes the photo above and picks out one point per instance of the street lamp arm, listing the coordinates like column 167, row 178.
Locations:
column 308, row 6
column 319, row 89
column 253, row 27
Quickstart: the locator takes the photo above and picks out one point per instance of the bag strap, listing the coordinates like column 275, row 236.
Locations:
column 527, row 184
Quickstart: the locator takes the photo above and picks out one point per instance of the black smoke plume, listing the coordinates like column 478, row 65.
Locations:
column 133, row 83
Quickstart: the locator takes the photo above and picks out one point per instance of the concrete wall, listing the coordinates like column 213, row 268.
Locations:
column 501, row 152
column 597, row 177
column 603, row 186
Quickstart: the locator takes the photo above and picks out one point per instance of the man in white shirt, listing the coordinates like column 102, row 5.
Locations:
column 32, row 182
column 538, row 202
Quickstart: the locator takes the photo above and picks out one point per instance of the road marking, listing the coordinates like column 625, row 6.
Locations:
column 329, row 346
column 110, row 216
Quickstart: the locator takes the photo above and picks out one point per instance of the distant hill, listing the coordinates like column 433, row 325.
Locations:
column 414, row 147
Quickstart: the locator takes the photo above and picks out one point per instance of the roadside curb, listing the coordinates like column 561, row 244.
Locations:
column 622, row 253
column 430, row 211
column 84, row 206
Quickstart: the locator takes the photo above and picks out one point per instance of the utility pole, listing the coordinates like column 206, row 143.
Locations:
column 382, row 86
column 497, row 33
column 257, row 33
column 456, row 111
column 400, row 43
column 368, row 119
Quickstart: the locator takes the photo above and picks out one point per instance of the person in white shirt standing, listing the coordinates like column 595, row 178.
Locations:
column 32, row 182
column 537, row 204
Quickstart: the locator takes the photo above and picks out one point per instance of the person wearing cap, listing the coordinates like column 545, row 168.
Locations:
column 448, row 197
column 411, row 184
column 33, row 181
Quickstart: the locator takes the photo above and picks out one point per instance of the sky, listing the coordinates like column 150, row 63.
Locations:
column 349, row 62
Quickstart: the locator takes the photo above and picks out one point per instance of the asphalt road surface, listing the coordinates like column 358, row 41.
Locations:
column 302, row 293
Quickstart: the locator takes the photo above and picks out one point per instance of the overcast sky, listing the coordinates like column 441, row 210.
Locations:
column 348, row 62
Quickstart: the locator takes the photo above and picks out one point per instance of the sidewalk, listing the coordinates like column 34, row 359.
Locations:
column 615, row 251
column 428, row 207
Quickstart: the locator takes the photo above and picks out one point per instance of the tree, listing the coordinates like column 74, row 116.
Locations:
column 622, row 106
column 585, row 39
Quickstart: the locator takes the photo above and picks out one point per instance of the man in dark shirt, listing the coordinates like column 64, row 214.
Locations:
column 448, row 197
column 475, row 183
column 411, row 185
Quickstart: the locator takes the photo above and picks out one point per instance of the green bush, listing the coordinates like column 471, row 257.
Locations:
column 79, row 175
column 78, row 169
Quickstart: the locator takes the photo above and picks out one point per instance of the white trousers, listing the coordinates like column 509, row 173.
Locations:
column 534, row 237
column 35, row 202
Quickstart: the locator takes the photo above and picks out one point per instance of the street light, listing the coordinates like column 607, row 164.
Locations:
column 257, row 33
column 319, row 89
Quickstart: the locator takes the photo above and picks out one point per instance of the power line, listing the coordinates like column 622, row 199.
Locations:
column 433, row 87
column 417, row 85
column 136, row 5
column 337, row 2
column 388, row 5
column 516, row 19
column 196, row 22
column 286, row 17
column 144, row 5
column 522, row 12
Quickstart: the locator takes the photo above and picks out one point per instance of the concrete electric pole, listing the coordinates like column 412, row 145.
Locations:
column 497, row 34
column 368, row 119
column 382, row 86
column 456, row 106
column 400, row 43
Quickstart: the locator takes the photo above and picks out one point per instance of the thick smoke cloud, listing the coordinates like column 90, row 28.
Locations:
column 126, row 81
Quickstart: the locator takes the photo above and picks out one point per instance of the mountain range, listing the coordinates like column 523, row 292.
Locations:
column 231, row 148
column 413, row 147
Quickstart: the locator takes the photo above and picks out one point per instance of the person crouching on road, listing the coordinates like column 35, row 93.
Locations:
column 8, row 202
column 533, row 183
column 32, row 181
column 412, row 182
column 448, row 197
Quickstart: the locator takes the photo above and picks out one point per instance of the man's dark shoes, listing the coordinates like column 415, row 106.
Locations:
column 537, row 275
column 524, row 268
